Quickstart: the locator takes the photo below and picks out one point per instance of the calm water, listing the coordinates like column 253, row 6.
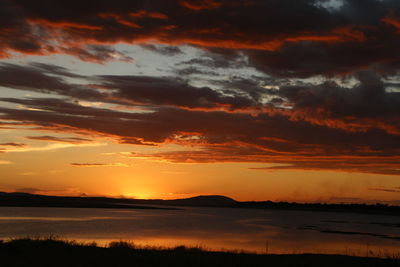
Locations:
column 213, row 228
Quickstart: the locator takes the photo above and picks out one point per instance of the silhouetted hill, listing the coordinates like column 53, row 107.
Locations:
column 218, row 201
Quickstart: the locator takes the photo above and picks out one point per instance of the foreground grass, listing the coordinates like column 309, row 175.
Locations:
column 53, row 252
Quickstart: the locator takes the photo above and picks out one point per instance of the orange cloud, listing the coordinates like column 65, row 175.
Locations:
column 360, row 164
column 71, row 140
column 394, row 21
column 13, row 144
column 146, row 14
column 345, row 34
column 63, row 24
column 220, row 40
column 99, row 164
column 201, row 4
column 120, row 19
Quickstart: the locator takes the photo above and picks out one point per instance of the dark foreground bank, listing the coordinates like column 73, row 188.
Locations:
column 50, row 252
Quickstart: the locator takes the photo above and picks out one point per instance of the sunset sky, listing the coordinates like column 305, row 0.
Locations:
column 284, row 100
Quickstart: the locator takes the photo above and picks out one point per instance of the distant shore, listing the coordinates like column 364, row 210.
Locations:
column 83, row 204
column 32, row 200
column 52, row 252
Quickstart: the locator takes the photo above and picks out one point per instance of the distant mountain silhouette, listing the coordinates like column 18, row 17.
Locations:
column 208, row 200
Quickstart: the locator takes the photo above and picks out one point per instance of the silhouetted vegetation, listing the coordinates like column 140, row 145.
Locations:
column 53, row 252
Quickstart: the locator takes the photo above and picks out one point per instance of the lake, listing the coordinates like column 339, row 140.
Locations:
column 252, row 230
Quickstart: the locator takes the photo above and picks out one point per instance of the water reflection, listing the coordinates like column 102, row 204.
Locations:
column 212, row 228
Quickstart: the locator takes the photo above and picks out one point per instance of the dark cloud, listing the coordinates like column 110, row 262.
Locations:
column 13, row 144
column 201, row 4
column 285, row 38
column 253, row 87
column 211, row 63
column 217, row 127
column 99, row 165
column 366, row 105
column 383, row 189
column 386, row 166
column 290, row 161
column 119, row 89
column 45, row 68
column 97, row 53
column 169, row 91
column 217, row 61
column 44, row 78
column 60, row 106
column 163, row 50
column 187, row 71
column 20, row 77
column 71, row 140
column 305, row 59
